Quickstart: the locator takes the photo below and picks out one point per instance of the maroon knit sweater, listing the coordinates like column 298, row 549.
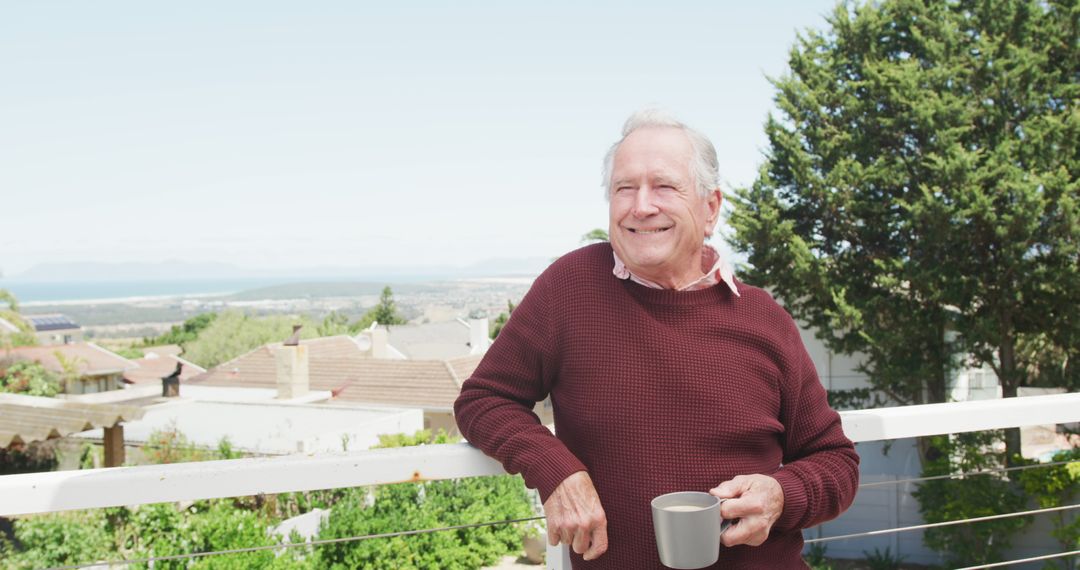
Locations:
column 657, row 391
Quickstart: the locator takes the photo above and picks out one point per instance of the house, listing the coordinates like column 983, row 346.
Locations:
column 159, row 362
column 885, row 502
column 55, row 328
column 254, row 420
column 361, row 370
column 439, row 341
column 84, row 366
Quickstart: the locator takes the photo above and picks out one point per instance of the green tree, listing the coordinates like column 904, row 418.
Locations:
column 9, row 298
column 500, row 321
column 595, row 235
column 183, row 333
column 943, row 500
column 919, row 200
column 1055, row 486
column 25, row 336
column 233, row 333
column 334, row 324
column 384, row 313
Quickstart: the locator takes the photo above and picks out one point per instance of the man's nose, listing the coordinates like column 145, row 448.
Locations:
column 643, row 203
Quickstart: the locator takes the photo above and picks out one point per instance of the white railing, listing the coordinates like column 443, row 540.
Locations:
column 119, row 486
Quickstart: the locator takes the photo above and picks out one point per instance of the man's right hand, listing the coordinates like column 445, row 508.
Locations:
column 575, row 517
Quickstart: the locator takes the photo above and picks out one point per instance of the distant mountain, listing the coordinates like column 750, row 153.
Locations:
column 502, row 266
column 96, row 271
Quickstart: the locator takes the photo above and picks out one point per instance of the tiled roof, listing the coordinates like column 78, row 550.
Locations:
column 353, row 375
column 153, row 367
column 430, row 341
column 91, row 359
column 24, row 419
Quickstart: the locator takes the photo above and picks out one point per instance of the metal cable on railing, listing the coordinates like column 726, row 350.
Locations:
column 938, row 524
column 969, row 473
column 513, row 521
column 288, row 545
column 475, row 525
column 1022, row 560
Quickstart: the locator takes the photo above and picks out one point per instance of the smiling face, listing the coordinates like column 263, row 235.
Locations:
column 658, row 222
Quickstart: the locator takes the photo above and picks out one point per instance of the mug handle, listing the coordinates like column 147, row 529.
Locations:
column 724, row 523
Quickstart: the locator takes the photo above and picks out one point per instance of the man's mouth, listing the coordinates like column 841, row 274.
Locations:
column 649, row 231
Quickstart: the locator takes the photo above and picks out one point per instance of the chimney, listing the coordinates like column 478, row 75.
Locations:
column 170, row 385
column 380, row 344
column 293, row 380
column 478, row 335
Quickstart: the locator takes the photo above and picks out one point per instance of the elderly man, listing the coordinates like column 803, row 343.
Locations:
column 665, row 374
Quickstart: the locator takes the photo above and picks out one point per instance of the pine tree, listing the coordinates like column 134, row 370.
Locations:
column 919, row 202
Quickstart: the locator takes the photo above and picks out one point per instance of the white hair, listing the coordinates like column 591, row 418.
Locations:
column 704, row 166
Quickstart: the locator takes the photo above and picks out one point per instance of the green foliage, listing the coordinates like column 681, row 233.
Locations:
column 1056, row 486
column 130, row 352
column 500, row 321
column 225, row 449
column 595, row 235
column 334, row 324
column 207, row 526
column 923, row 175
column 815, row 557
column 855, row 399
column 975, row 496
column 183, row 333
column 412, row 506
column 170, row 445
column 422, row 437
column 233, row 333
column 215, row 525
column 25, row 335
column 33, row 458
column 91, row 456
column 59, row 539
column 384, row 313
column 878, row 560
column 8, row 298
column 28, row 378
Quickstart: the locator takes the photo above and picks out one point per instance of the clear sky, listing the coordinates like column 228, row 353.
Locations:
column 298, row 134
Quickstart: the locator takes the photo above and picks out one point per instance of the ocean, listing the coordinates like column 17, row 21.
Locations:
column 39, row 292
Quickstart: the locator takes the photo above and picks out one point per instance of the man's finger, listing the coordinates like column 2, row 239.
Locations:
column 581, row 540
column 599, row 543
column 736, row 534
column 743, row 507
column 553, row 535
column 730, row 489
column 566, row 536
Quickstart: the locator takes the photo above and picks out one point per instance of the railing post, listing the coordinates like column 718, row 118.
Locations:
column 114, row 445
column 558, row 557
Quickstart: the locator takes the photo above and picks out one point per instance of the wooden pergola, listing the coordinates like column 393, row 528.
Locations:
column 26, row 419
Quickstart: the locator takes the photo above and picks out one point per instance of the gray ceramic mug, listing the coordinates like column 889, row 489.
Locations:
column 688, row 526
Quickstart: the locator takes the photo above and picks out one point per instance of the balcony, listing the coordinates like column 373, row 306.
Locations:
column 73, row 490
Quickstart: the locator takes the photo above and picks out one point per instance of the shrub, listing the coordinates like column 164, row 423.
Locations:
column 415, row 506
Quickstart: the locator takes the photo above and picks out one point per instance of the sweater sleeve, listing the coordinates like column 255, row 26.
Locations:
column 820, row 475
column 494, row 409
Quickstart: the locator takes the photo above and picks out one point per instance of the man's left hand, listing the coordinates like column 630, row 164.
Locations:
column 757, row 501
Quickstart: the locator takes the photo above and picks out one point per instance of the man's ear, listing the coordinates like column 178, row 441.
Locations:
column 715, row 199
